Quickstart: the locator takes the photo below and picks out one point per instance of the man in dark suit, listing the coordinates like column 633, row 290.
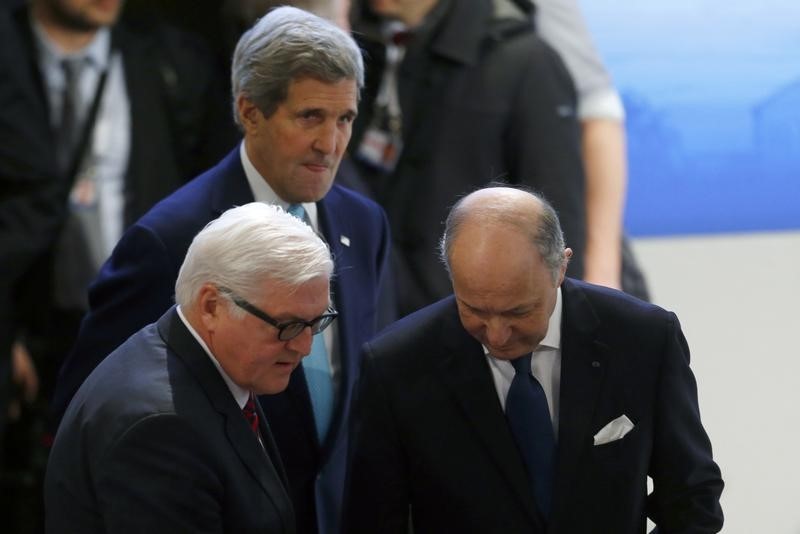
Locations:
column 296, row 79
column 146, row 115
column 465, row 94
column 165, row 434
column 529, row 402
column 161, row 119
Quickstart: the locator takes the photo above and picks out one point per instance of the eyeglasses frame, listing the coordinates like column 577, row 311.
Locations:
column 330, row 315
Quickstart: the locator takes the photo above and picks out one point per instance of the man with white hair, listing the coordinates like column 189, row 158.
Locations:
column 165, row 434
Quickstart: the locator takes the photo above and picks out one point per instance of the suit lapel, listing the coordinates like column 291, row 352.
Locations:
column 270, row 447
column 583, row 365
column 265, row 468
column 467, row 376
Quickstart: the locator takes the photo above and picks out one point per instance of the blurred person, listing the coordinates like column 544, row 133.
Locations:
column 165, row 434
column 460, row 93
column 296, row 80
column 220, row 23
column 528, row 401
column 127, row 117
column 98, row 121
column 238, row 15
column 609, row 258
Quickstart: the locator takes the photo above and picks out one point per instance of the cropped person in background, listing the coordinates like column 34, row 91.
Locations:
column 165, row 436
column 609, row 258
column 458, row 93
column 98, row 121
column 296, row 80
column 528, row 401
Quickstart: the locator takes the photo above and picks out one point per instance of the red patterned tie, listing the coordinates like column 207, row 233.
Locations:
column 250, row 414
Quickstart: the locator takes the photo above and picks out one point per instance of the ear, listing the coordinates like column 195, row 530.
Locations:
column 563, row 271
column 210, row 307
column 249, row 114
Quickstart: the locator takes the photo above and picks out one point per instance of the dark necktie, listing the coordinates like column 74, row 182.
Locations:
column 250, row 414
column 529, row 418
column 68, row 133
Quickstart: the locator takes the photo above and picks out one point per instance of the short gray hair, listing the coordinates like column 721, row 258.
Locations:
column 543, row 228
column 247, row 245
column 289, row 44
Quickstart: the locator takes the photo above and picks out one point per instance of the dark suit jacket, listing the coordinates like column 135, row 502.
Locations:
column 180, row 125
column 154, row 440
column 433, row 434
column 137, row 284
column 483, row 99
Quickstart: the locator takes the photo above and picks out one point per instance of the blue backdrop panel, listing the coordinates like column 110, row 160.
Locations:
column 712, row 95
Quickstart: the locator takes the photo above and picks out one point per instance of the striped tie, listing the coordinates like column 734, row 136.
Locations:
column 250, row 414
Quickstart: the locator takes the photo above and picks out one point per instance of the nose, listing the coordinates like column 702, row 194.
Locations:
column 302, row 343
column 326, row 140
column 498, row 331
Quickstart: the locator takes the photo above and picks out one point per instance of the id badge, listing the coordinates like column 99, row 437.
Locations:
column 379, row 148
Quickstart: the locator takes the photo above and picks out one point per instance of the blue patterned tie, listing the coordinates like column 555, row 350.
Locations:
column 529, row 418
column 317, row 368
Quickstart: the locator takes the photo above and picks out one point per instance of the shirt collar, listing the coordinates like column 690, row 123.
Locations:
column 262, row 192
column 239, row 393
column 552, row 338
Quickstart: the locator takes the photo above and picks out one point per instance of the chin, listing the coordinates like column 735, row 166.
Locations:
column 510, row 353
column 275, row 386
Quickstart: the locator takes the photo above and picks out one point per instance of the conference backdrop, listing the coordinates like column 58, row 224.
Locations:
column 712, row 95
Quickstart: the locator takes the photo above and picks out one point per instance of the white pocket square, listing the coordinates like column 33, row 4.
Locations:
column 614, row 430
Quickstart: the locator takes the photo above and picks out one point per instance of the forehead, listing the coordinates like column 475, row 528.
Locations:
column 497, row 268
column 310, row 93
column 288, row 299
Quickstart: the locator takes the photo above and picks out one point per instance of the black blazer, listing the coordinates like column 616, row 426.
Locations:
column 180, row 125
column 433, row 436
column 154, row 440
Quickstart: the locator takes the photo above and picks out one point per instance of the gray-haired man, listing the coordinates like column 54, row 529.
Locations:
column 165, row 434
column 527, row 401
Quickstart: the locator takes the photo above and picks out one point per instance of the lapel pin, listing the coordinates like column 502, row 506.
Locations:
column 344, row 240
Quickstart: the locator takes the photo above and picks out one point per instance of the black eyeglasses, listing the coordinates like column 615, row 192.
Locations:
column 290, row 329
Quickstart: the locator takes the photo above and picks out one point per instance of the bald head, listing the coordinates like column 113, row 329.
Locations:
column 484, row 223
column 506, row 257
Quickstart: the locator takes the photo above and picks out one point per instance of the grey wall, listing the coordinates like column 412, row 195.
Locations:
column 737, row 297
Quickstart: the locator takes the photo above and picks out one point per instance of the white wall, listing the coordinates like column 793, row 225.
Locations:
column 737, row 298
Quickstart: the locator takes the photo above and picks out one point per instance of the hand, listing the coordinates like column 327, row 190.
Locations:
column 24, row 375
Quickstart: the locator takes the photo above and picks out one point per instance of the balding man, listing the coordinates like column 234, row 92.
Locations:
column 529, row 402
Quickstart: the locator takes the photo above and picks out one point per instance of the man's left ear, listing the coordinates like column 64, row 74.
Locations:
column 209, row 304
column 247, row 114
